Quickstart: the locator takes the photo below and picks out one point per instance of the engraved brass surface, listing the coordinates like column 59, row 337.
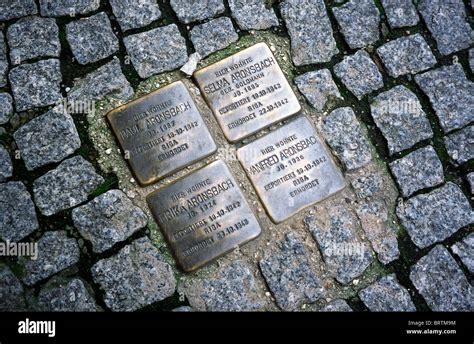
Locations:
column 290, row 169
column 247, row 92
column 203, row 215
column 161, row 133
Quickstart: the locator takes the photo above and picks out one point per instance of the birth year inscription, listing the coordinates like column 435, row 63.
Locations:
column 203, row 215
column 161, row 133
column 290, row 169
column 247, row 92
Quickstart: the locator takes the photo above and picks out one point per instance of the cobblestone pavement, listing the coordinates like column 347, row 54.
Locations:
column 387, row 84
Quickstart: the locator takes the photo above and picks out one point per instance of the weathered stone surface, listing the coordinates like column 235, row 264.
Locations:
column 290, row 276
column 367, row 186
column 48, row 138
column 399, row 116
column 336, row 306
column 68, row 296
column 12, row 297
column 10, row 9
column 191, row 11
column 400, row 13
column 359, row 22
column 387, row 295
column 36, row 84
column 451, row 95
column 106, row 81
column 183, row 309
column 135, row 277
column 132, row 14
column 158, row 50
column 432, row 217
column 66, row 186
column 6, row 167
column 319, row 88
column 56, row 252
column 17, row 212
column 72, row 8
column 373, row 217
column 252, row 14
column 3, row 61
column 232, row 289
column 440, row 281
column 91, row 39
column 345, row 136
column 310, row 31
column 470, row 180
column 447, row 22
column 406, row 55
column 418, row 170
column 108, row 219
column 345, row 255
column 460, row 145
column 464, row 249
column 212, row 36
column 359, row 74
column 471, row 59
column 33, row 37
column 6, row 107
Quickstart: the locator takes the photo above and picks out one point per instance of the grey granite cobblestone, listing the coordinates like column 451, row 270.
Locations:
column 135, row 277
column 56, row 252
column 33, row 37
column 432, row 217
column 191, row 11
column 345, row 136
column 91, row 39
column 418, row 170
column 289, row 274
column 451, row 95
column 310, row 30
column 253, row 14
column 66, row 186
column 17, row 212
column 359, row 22
column 447, row 22
column 406, row 55
column 441, row 282
column 156, row 51
column 36, row 85
column 48, row 138
column 212, row 36
column 399, row 116
column 359, row 74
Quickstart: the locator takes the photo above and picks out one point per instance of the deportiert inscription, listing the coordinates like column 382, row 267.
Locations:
column 161, row 133
column 247, row 92
column 290, row 169
column 203, row 215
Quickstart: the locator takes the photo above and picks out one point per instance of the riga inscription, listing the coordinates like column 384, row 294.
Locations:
column 290, row 169
column 247, row 92
column 203, row 215
column 161, row 133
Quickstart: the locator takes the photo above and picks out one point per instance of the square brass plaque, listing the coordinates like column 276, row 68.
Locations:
column 161, row 133
column 203, row 215
column 290, row 169
column 247, row 92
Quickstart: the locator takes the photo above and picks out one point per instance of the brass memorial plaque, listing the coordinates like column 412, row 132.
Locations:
column 203, row 215
column 161, row 133
column 247, row 92
column 290, row 169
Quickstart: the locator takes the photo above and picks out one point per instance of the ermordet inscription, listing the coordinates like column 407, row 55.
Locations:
column 290, row 169
column 203, row 215
column 247, row 92
column 161, row 133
